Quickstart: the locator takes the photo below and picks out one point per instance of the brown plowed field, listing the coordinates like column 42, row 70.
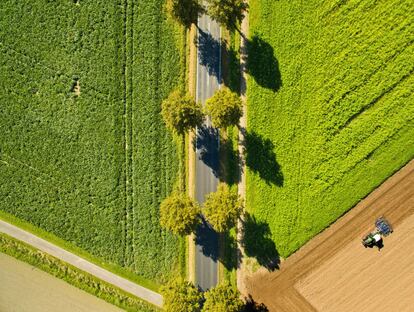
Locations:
column 333, row 272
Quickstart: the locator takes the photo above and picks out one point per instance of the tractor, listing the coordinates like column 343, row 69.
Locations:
column 382, row 228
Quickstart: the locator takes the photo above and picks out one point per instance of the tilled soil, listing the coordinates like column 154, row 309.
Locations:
column 333, row 271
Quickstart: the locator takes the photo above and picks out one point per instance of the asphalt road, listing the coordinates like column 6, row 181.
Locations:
column 84, row 265
column 207, row 149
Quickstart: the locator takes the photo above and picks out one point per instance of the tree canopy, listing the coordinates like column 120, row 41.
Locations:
column 179, row 214
column 222, row 208
column 224, row 107
column 181, row 113
column 227, row 12
column 184, row 12
column 181, row 296
column 223, row 298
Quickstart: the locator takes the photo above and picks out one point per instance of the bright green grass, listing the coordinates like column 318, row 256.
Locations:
column 90, row 169
column 341, row 121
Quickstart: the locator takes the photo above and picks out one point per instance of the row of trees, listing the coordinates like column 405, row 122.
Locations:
column 182, row 113
column 181, row 215
column 227, row 12
column 184, row 296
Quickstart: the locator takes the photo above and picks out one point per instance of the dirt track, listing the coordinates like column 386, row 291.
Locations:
column 316, row 268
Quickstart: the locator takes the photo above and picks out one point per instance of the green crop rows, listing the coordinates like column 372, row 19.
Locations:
column 83, row 152
column 331, row 106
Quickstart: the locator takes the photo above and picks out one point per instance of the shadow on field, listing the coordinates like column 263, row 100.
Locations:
column 206, row 145
column 262, row 64
column 257, row 243
column 252, row 306
column 261, row 158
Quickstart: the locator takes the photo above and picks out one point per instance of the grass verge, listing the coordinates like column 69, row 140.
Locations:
column 78, row 251
column 72, row 275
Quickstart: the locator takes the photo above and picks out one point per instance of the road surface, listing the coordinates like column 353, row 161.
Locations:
column 76, row 261
column 207, row 147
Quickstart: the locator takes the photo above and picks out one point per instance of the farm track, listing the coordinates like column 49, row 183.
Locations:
column 394, row 199
column 84, row 265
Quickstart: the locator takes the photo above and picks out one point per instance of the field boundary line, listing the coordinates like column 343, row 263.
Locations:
column 130, row 58
column 72, row 259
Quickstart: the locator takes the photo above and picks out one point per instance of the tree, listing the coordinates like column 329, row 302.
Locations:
column 181, row 113
column 223, row 298
column 181, row 296
column 222, row 208
column 179, row 214
column 224, row 107
column 184, row 12
column 227, row 12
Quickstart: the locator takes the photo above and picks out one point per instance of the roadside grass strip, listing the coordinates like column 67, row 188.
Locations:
column 72, row 275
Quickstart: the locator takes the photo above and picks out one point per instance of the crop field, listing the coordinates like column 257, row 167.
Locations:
column 83, row 152
column 333, row 271
column 330, row 110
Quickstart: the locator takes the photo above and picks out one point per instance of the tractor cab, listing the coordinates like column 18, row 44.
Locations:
column 382, row 228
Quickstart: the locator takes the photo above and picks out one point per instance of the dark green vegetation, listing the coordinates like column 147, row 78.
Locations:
column 84, row 153
column 222, row 208
column 228, row 13
column 181, row 113
column 184, row 12
column 330, row 108
column 223, row 298
column 224, row 108
column 72, row 275
column 179, row 214
column 181, row 295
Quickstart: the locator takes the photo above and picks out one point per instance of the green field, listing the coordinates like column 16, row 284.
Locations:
column 83, row 151
column 330, row 110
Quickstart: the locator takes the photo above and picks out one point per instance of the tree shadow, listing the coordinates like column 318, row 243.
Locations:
column 231, row 167
column 209, row 53
column 257, row 243
column 252, row 306
column 208, row 239
column 188, row 12
column 231, row 71
column 231, row 257
column 261, row 158
column 206, row 145
column 262, row 64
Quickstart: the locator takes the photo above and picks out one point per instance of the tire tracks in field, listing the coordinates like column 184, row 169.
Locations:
column 127, row 83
